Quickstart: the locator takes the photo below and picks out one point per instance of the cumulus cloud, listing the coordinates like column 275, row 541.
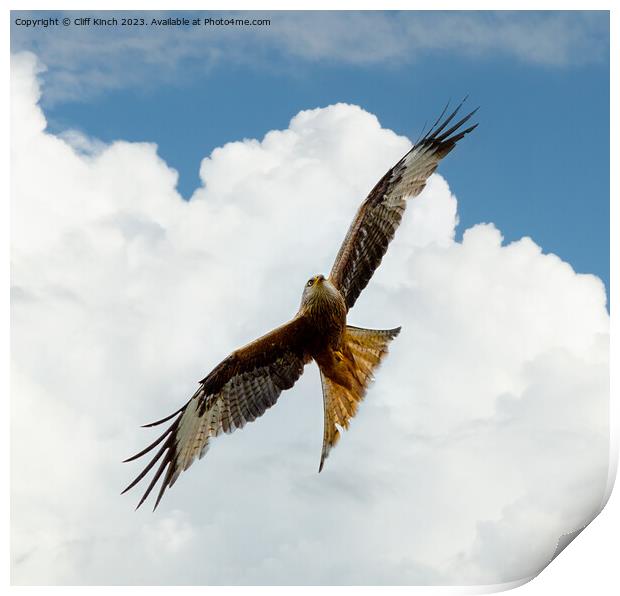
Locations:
column 82, row 68
column 482, row 442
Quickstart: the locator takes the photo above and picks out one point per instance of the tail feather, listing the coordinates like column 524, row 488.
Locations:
column 363, row 351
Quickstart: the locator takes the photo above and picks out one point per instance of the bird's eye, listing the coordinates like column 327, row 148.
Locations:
column 310, row 282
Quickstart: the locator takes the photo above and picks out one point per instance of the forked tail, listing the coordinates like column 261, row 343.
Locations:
column 362, row 352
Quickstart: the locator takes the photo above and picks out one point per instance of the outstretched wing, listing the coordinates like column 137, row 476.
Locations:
column 239, row 390
column 379, row 215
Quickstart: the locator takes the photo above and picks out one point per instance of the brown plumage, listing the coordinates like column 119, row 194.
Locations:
column 249, row 381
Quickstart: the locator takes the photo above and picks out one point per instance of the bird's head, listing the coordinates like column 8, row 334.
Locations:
column 313, row 289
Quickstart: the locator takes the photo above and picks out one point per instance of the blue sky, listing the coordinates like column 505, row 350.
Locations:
column 538, row 165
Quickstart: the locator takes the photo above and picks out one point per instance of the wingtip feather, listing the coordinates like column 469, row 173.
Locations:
column 158, row 422
column 444, row 139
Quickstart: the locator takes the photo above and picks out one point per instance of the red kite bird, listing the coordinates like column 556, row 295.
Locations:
column 249, row 381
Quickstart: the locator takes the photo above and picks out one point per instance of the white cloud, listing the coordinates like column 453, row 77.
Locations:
column 483, row 440
column 84, row 60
